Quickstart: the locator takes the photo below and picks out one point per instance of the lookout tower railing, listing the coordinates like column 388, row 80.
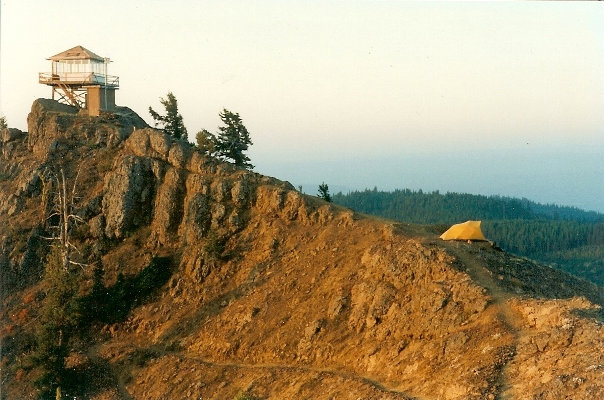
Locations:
column 79, row 78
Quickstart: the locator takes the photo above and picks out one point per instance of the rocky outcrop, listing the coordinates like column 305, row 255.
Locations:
column 182, row 194
column 27, row 184
column 9, row 134
column 310, row 285
column 15, row 178
column 10, row 138
column 128, row 195
column 50, row 121
column 555, row 333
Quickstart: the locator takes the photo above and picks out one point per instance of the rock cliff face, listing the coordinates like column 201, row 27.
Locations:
column 274, row 293
column 50, row 121
column 181, row 193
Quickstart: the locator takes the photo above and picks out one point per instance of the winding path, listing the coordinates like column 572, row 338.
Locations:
column 481, row 275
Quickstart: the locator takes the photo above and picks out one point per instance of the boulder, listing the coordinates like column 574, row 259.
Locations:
column 160, row 143
column 10, row 134
column 180, row 154
column 138, row 142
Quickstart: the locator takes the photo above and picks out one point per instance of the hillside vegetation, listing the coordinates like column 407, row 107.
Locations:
column 565, row 237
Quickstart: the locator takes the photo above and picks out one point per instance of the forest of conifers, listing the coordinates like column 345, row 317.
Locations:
column 564, row 237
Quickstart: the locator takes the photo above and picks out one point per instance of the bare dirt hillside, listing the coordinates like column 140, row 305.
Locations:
column 221, row 283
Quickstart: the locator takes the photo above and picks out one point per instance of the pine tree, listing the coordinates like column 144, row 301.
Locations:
column 206, row 142
column 324, row 192
column 59, row 318
column 233, row 139
column 171, row 123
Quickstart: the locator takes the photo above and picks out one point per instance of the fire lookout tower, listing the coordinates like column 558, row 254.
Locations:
column 79, row 78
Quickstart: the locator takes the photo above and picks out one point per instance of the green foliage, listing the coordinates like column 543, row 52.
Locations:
column 215, row 246
column 3, row 124
column 233, row 140
column 569, row 238
column 155, row 275
column 576, row 247
column 171, row 123
column 60, row 317
column 434, row 207
column 206, row 142
column 584, row 261
column 324, row 192
column 66, row 315
column 245, row 395
column 540, row 237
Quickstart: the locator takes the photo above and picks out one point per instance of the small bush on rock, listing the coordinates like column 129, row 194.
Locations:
column 215, row 246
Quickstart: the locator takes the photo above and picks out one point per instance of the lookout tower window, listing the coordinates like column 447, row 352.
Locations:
column 97, row 67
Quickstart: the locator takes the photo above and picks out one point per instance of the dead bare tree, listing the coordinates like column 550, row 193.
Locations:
column 63, row 209
column 59, row 315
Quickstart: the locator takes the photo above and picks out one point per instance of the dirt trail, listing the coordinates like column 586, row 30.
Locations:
column 114, row 375
column 476, row 267
column 296, row 368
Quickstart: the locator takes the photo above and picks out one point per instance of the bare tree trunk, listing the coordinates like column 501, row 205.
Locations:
column 64, row 210
column 47, row 185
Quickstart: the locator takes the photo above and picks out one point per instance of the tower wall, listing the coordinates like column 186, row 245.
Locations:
column 99, row 99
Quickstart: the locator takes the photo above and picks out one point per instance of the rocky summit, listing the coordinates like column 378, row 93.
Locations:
column 220, row 283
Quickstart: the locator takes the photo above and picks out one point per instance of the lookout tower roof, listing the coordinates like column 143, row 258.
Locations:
column 76, row 53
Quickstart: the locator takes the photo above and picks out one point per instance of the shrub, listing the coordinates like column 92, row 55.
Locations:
column 215, row 246
column 245, row 395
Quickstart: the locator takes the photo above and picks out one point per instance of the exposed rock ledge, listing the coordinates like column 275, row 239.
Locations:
column 50, row 120
column 184, row 194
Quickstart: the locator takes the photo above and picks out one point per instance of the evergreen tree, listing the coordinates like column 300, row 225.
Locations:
column 233, row 139
column 324, row 192
column 206, row 142
column 171, row 123
column 59, row 318
column 3, row 124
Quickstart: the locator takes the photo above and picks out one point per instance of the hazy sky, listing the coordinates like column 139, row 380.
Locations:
column 492, row 98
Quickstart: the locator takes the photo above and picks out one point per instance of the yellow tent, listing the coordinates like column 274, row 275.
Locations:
column 469, row 230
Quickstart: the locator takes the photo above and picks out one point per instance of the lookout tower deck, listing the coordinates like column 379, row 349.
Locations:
column 79, row 78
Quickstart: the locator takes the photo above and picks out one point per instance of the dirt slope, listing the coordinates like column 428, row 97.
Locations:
column 305, row 313
column 280, row 295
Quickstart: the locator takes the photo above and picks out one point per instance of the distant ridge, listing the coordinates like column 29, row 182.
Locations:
column 565, row 237
column 435, row 207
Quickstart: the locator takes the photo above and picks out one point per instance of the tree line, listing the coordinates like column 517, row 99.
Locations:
column 434, row 207
column 567, row 237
